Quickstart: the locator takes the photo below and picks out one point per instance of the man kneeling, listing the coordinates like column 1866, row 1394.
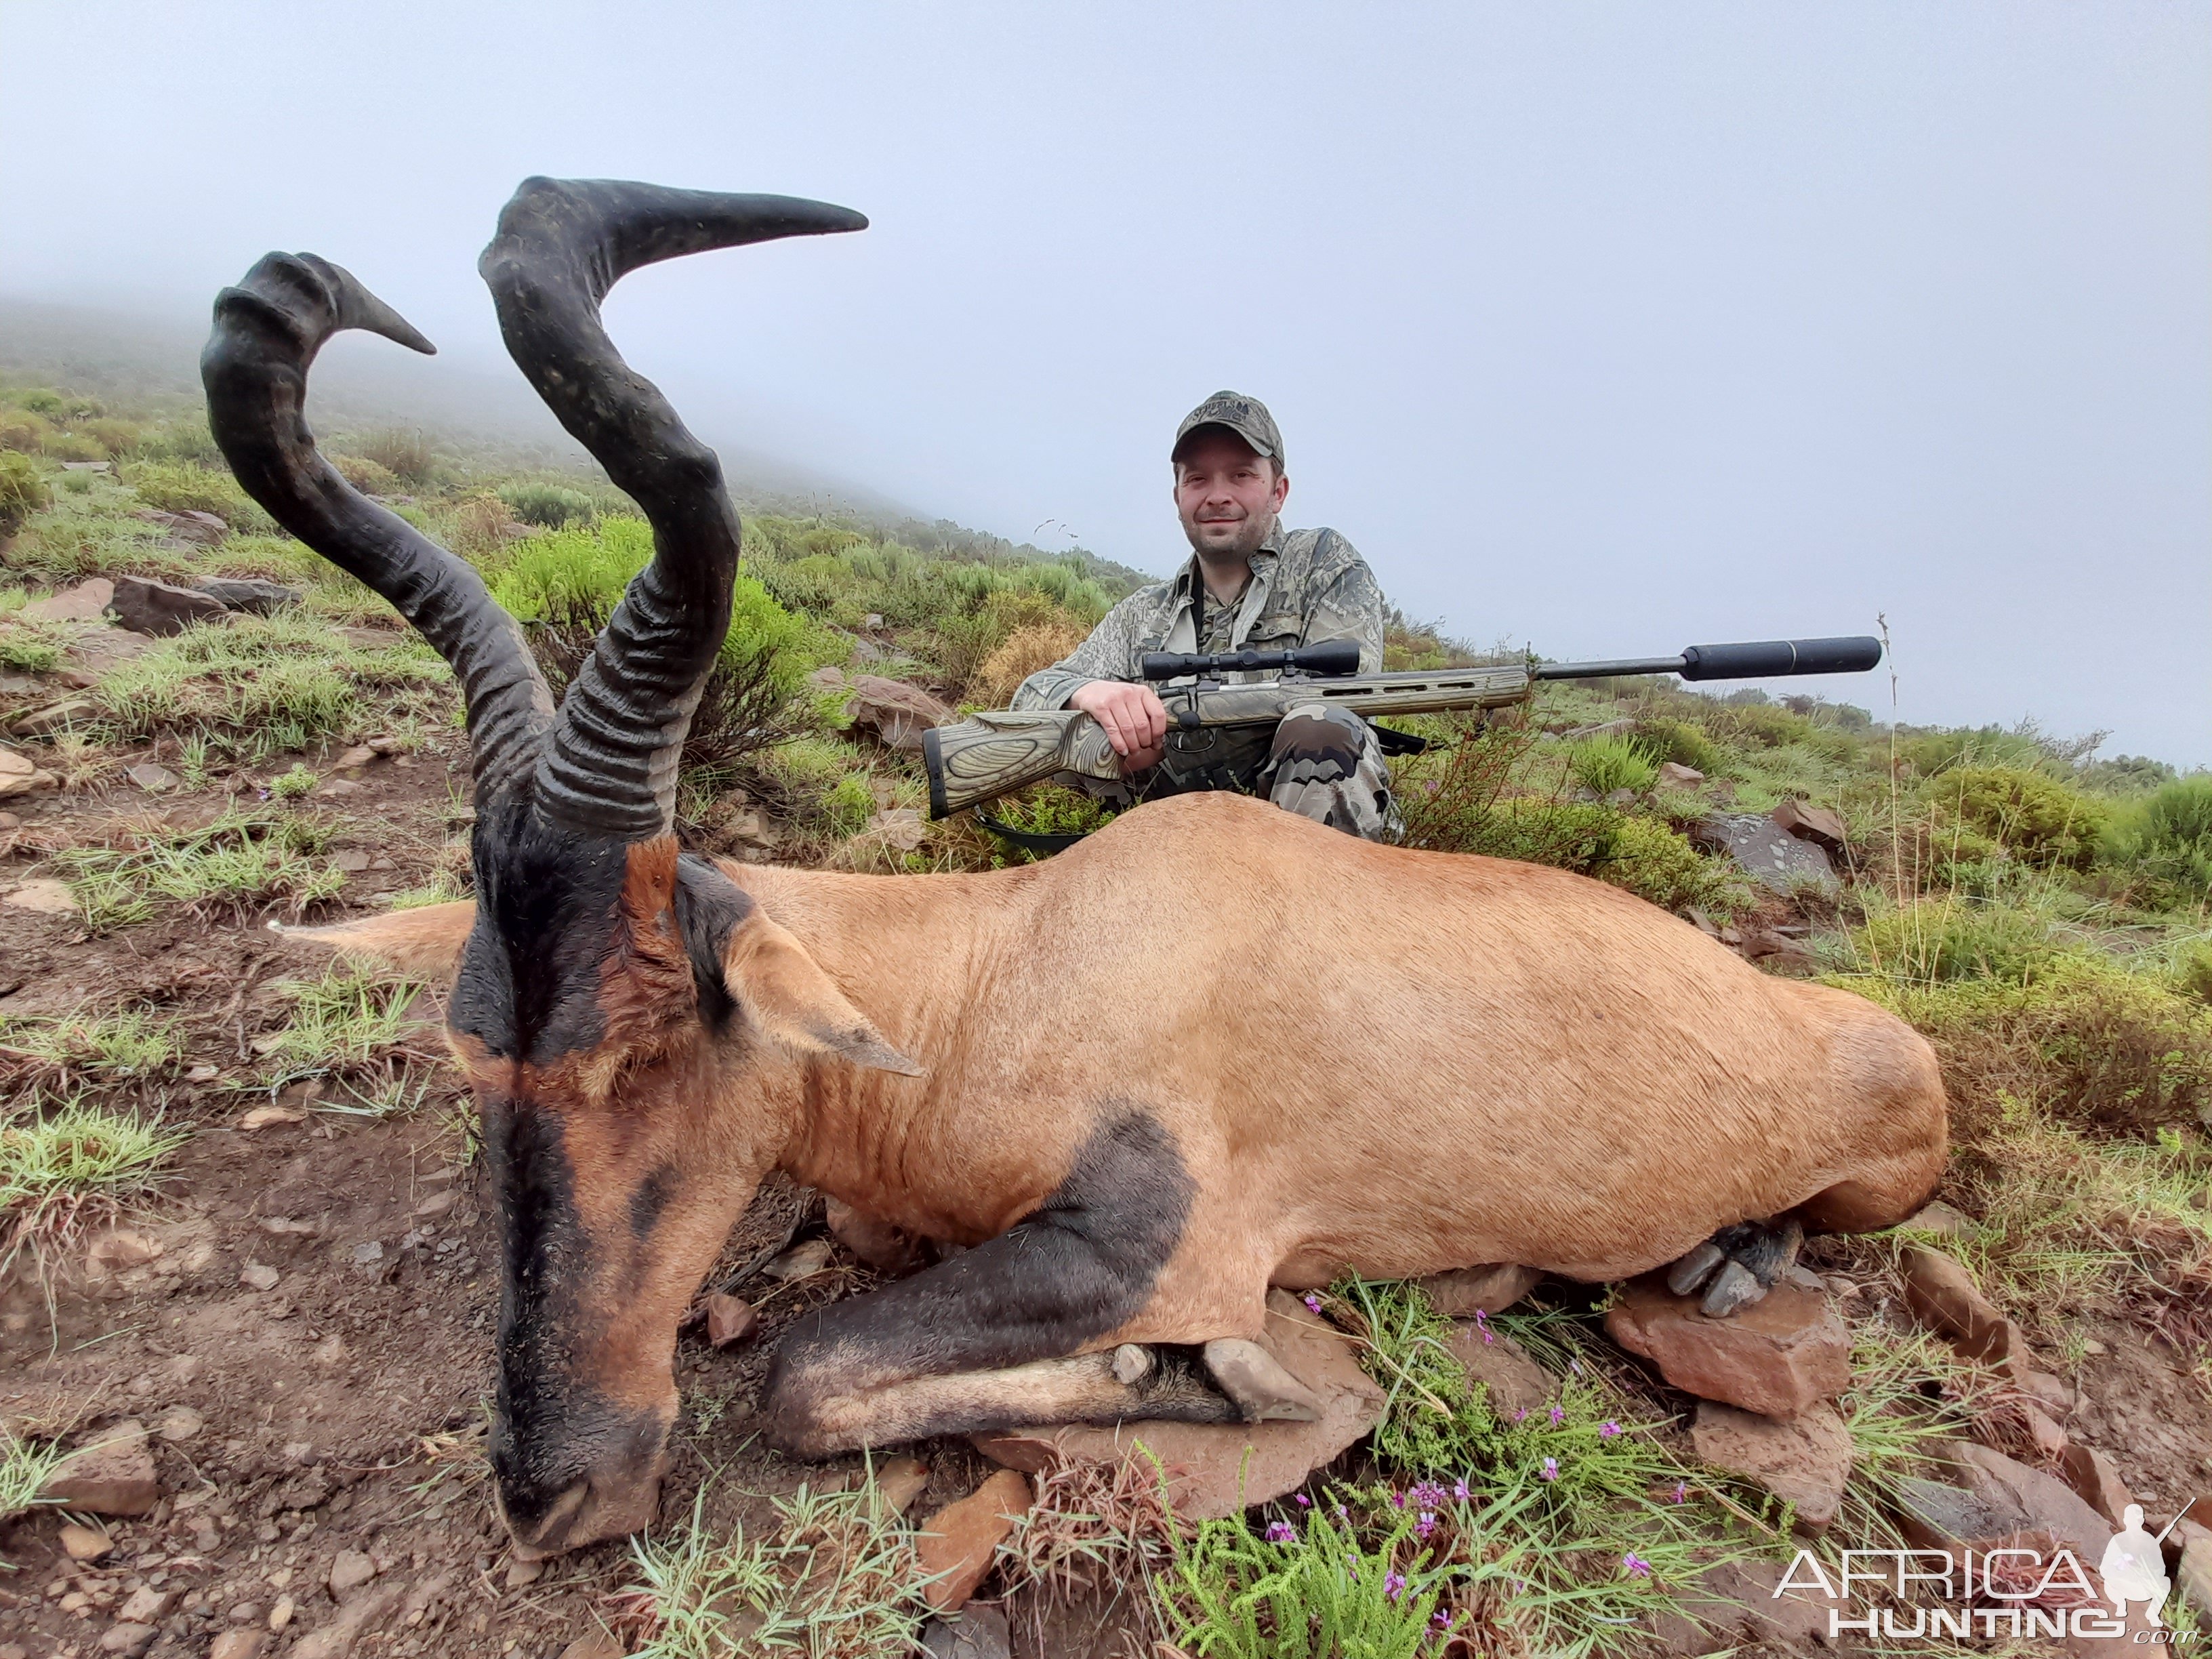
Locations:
column 1250, row 585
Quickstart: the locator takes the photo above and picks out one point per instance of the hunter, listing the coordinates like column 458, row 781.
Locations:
column 1250, row 583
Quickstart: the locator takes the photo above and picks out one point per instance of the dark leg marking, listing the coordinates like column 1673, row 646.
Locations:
column 1082, row 1263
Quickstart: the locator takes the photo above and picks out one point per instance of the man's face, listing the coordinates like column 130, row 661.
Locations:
column 1226, row 495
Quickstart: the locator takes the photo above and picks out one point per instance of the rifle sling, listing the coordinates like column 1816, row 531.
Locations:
column 1030, row 841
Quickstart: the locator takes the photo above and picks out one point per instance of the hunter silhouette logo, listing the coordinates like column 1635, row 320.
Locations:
column 2014, row 1590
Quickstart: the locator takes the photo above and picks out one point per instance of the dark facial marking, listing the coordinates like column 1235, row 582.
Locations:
column 1081, row 1263
column 650, row 1199
column 708, row 905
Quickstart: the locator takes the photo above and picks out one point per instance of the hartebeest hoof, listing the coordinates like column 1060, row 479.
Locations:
column 1263, row 1391
column 1737, row 1265
column 1132, row 1363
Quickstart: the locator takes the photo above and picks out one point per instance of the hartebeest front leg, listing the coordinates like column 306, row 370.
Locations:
column 1737, row 1265
column 989, row 1339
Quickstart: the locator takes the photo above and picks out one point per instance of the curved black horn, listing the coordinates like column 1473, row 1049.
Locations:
column 267, row 332
column 563, row 243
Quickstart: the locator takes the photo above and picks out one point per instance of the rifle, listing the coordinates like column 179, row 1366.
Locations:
column 990, row 755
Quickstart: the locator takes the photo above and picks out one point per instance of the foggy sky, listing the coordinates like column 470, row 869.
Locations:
column 1606, row 328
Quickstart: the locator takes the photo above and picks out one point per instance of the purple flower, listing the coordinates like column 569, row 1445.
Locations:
column 1637, row 1565
column 1426, row 1525
column 1303, row 1502
column 1281, row 1532
column 1393, row 1584
column 1460, row 1491
column 1482, row 1324
column 1558, row 1416
column 1551, row 1468
column 1397, row 1500
column 1681, row 1493
column 1606, row 1430
column 1519, row 1412
column 1343, row 1514
column 1312, row 1302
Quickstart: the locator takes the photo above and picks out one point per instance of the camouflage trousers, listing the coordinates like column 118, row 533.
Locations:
column 1321, row 762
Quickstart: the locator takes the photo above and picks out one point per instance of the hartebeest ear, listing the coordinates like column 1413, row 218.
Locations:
column 424, row 943
column 788, row 998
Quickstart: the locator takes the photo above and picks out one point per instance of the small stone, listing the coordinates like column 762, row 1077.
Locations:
column 594, row 1644
column 800, row 1261
column 113, row 1474
column 1943, row 1296
column 337, row 787
column 1469, row 1290
column 900, row 827
column 1805, row 1460
column 360, row 754
column 146, row 605
column 368, row 1255
column 56, row 717
column 85, row 602
column 84, row 1544
column 259, row 1276
column 1515, row 1381
column 284, row 1226
column 1940, row 1219
column 1776, row 1357
column 980, row 1631
column 878, row 1244
column 2091, row 1347
column 730, row 1319
column 280, row 1614
column 178, row 1423
column 269, row 1117
column 151, row 778
column 1672, row 775
column 204, row 1073
column 350, row 1572
column 1817, row 825
column 521, row 1574
column 437, row 1204
column 353, row 861
column 44, row 897
column 250, row 594
column 955, row 1547
column 128, row 1638
column 239, row 1644
column 117, row 1251
column 897, row 713
column 145, row 1607
column 2096, row 1480
column 899, row 1481
column 16, row 773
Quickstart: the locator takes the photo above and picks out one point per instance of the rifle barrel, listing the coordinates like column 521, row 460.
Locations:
column 1755, row 659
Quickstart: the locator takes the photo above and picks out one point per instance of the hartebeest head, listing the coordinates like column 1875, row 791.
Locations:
column 608, row 994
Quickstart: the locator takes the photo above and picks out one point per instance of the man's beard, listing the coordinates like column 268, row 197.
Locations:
column 1250, row 535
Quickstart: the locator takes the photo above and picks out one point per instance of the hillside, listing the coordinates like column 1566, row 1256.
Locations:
column 241, row 1203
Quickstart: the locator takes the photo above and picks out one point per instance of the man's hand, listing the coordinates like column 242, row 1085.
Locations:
column 1134, row 719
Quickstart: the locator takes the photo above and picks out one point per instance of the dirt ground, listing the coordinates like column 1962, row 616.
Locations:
column 344, row 1408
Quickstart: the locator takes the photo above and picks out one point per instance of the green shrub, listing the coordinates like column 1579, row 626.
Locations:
column 1685, row 745
column 403, row 451
column 370, row 478
column 187, row 441
column 548, row 505
column 2167, row 835
column 180, row 487
column 118, row 438
column 23, row 491
column 25, row 434
column 2043, row 822
column 1605, row 763
column 40, row 400
column 1950, row 938
column 2193, row 972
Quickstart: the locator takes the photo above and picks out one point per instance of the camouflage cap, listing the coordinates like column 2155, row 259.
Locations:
column 1247, row 417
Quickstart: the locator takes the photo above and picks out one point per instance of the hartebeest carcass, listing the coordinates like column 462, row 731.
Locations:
column 1139, row 1116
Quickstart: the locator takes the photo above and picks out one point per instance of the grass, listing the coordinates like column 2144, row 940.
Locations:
column 834, row 1577
column 72, row 1164
column 247, row 862
column 339, row 1023
column 133, row 1042
column 26, row 1467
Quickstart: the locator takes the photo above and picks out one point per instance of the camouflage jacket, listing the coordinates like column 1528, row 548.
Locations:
column 1306, row 586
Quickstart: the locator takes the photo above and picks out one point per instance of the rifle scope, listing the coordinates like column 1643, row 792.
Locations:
column 1329, row 657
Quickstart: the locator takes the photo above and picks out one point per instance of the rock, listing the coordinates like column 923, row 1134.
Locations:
column 800, row 1261
column 1767, row 944
column 899, row 827
column 128, row 1638
column 350, row 1572
column 1995, row 1500
column 1776, row 1357
column 360, row 754
column 1942, row 1220
column 259, row 1276
column 118, row 1250
column 239, row 1644
column 145, row 1606
column 332, row 787
column 955, row 1545
column 976, row 1632
column 898, row 714
column 78, row 466
column 1516, row 1383
column 178, row 1423
column 204, row 1073
column 437, row 1204
column 888, row 1249
column 730, row 1319
column 18, row 774
column 899, row 1481
column 1943, row 1297
column 146, row 605
column 594, row 1644
column 1804, row 1459
column 2192, row 1579
column 113, row 1474
column 85, row 602
column 1817, row 825
column 84, row 1544
column 368, row 1254
column 151, row 778
column 250, row 594
column 1470, row 1290
column 1213, row 1469
column 46, row 897
column 203, row 528
column 1672, row 775
column 269, row 1117
column 2048, row 1392
column 56, row 717
column 1742, row 1602
column 521, row 1574
column 353, row 861
column 1775, row 859
column 337, row 1638
column 2096, row 1480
